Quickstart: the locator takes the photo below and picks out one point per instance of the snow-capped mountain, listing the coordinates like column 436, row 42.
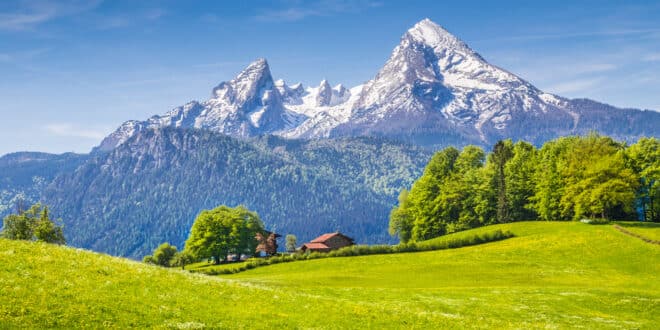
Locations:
column 433, row 82
column 433, row 90
column 248, row 105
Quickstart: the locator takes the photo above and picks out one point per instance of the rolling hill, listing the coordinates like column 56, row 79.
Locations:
column 552, row 274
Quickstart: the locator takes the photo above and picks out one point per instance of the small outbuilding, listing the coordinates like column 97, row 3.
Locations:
column 327, row 243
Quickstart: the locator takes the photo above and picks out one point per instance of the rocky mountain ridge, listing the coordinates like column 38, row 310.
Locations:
column 434, row 90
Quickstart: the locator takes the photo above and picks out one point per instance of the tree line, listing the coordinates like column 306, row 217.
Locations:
column 216, row 234
column 33, row 224
column 569, row 178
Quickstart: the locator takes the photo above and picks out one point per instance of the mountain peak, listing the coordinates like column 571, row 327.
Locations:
column 255, row 71
column 258, row 63
column 429, row 33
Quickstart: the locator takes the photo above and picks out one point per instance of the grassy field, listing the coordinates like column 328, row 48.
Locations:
column 556, row 275
column 648, row 230
column 455, row 240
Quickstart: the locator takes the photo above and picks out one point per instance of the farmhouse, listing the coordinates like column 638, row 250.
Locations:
column 267, row 243
column 327, row 243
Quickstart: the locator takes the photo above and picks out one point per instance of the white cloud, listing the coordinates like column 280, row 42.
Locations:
column 652, row 57
column 574, row 86
column 155, row 13
column 593, row 67
column 30, row 14
column 23, row 21
column 70, row 130
column 570, row 35
column 303, row 10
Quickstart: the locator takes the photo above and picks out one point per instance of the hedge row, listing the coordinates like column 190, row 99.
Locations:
column 360, row 250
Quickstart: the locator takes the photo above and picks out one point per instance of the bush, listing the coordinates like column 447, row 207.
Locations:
column 597, row 221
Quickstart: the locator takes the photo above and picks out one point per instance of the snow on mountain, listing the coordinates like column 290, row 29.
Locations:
column 248, row 105
column 434, row 82
column 433, row 90
column 322, row 119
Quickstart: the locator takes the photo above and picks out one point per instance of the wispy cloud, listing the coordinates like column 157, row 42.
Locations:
column 126, row 19
column 593, row 67
column 222, row 64
column 652, row 57
column 19, row 59
column 571, row 35
column 301, row 10
column 575, row 86
column 112, row 22
column 70, row 130
column 29, row 14
column 155, row 13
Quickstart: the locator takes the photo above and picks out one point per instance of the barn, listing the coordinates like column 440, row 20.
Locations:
column 327, row 243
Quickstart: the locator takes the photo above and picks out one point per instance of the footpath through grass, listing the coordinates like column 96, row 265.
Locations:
column 558, row 275
column 650, row 230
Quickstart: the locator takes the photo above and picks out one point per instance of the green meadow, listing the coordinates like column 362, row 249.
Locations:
column 645, row 229
column 550, row 275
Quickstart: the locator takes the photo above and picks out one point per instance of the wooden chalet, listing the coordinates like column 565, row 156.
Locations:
column 267, row 244
column 327, row 243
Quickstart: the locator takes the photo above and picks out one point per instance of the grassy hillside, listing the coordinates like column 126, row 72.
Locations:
column 648, row 230
column 551, row 274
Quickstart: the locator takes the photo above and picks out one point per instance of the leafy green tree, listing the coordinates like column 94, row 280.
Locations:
column 425, row 194
column 222, row 231
column 33, row 225
column 400, row 219
column 468, row 183
column 19, row 226
column 549, row 183
column 502, row 153
column 164, row 254
column 182, row 259
column 291, row 243
column 644, row 159
column 46, row 231
column 445, row 199
column 567, row 178
column 519, row 173
column 597, row 180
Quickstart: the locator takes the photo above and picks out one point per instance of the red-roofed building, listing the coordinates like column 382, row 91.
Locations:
column 327, row 243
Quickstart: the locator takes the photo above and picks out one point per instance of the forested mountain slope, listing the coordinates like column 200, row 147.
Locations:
column 150, row 189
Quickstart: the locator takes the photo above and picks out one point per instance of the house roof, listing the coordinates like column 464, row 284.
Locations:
column 268, row 233
column 316, row 246
column 326, row 237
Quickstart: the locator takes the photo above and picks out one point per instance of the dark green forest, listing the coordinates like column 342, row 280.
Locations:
column 569, row 178
column 150, row 189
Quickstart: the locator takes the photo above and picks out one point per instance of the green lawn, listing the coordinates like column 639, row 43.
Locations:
column 649, row 230
column 552, row 274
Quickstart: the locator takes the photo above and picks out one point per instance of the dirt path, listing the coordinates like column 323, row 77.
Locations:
column 647, row 240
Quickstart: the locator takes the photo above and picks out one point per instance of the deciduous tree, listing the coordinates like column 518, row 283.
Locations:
column 291, row 243
column 222, row 231
column 33, row 224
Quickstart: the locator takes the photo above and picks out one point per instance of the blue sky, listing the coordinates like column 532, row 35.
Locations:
column 72, row 71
